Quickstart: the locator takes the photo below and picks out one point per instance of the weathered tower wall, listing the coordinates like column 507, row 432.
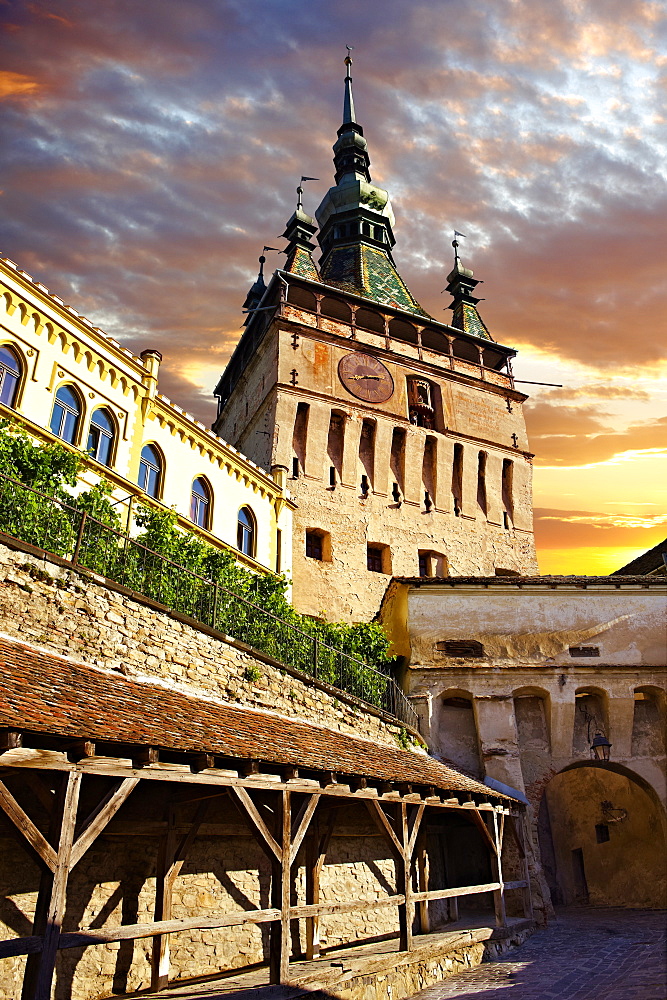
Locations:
column 360, row 471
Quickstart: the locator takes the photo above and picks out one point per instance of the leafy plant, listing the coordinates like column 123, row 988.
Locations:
column 178, row 569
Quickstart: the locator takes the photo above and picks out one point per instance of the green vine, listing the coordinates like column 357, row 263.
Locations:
column 185, row 586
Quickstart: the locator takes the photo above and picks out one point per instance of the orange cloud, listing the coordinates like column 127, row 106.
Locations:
column 14, row 84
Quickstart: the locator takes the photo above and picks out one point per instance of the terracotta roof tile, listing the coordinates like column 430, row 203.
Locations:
column 44, row 693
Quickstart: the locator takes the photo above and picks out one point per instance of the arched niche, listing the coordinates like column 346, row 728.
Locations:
column 456, row 734
column 399, row 329
column 335, row 309
column 433, row 340
column 466, row 351
column 648, row 723
column 532, row 716
column 368, row 319
column 302, row 298
column 591, row 715
column 602, row 835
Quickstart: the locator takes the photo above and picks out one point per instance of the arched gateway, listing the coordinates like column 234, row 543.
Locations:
column 608, row 846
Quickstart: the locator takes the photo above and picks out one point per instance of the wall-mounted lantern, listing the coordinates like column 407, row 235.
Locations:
column 600, row 747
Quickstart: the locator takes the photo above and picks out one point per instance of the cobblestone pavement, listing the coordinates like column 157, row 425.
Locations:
column 585, row 954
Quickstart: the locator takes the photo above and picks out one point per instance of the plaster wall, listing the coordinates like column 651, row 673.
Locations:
column 534, row 705
column 55, row 346
column 478, row 415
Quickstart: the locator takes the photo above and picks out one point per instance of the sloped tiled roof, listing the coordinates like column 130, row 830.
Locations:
column 367, row 271
column 650, row 562
column 300, row 262
column 467, row 318
column 44, row 693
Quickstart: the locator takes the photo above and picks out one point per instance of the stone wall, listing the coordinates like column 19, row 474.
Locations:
column 52, row 606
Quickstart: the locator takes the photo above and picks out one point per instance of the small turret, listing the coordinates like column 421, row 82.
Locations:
column 461, row 285
column 299, row 233
column 254, row 296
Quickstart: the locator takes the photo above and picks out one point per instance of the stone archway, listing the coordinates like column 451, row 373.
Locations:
column 603, row 837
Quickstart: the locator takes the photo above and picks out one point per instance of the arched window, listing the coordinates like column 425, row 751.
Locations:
column 66, row 414
column 100, row 436
column 200, row 503
column 245, row 537
column 150, row 470
column 10, row 376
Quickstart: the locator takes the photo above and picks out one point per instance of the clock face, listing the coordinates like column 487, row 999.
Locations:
column 366, row 378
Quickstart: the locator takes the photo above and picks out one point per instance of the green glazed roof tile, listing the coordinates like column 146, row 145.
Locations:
column 364, row 270
column 300, row 262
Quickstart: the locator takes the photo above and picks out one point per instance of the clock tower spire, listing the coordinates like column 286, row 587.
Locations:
column 401, row 437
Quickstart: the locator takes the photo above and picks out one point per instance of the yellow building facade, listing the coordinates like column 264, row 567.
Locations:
column 65, row 380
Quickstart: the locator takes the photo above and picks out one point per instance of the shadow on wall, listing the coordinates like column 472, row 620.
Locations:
column 603, row 837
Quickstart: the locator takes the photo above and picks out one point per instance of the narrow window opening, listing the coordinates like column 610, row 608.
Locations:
column 299, row 439
column 365, row 488
column 397, row 461
column 332, row 475
column 335, row 442
column 481, row 481
column 601, row 833
column 279, row 550
column 396, row 493
column 457, row 478
column 367, row 453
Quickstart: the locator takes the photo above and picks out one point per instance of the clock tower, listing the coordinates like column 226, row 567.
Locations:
column 401, row 438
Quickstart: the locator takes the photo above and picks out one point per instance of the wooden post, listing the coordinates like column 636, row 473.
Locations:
column 316, row 849
column 279, row 942
column 171, row 857
column 53, row 890
column 520, row 835
column 422, row 881
column 497, row 868
column 403, row 884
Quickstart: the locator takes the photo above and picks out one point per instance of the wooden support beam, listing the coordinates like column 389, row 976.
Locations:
column 171, row 857
column 133, row 932
column 145, row 756
column 202, row 761
column 517, row 828
column 422, row 881
column 317, row 847
column 56, row 906
column 10, row 739
column 31, row 837
column 379, row 817
column 462, row 890
column 259, row 828
column 302, row 823
column 100, row 817
column 476, row 817
column 20, row 946
column 497, row 868
column 404, row 884
column 279, row 940
column 80, row 750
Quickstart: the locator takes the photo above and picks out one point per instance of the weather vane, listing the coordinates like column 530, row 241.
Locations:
column 455, row 244
column 299, row 191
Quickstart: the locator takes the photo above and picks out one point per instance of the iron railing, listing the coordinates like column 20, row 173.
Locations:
column 60, row 528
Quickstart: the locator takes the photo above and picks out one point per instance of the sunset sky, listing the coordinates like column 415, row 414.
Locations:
column 150, row 148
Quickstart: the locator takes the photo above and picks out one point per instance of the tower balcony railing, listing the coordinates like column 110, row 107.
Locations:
column 59, row 528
